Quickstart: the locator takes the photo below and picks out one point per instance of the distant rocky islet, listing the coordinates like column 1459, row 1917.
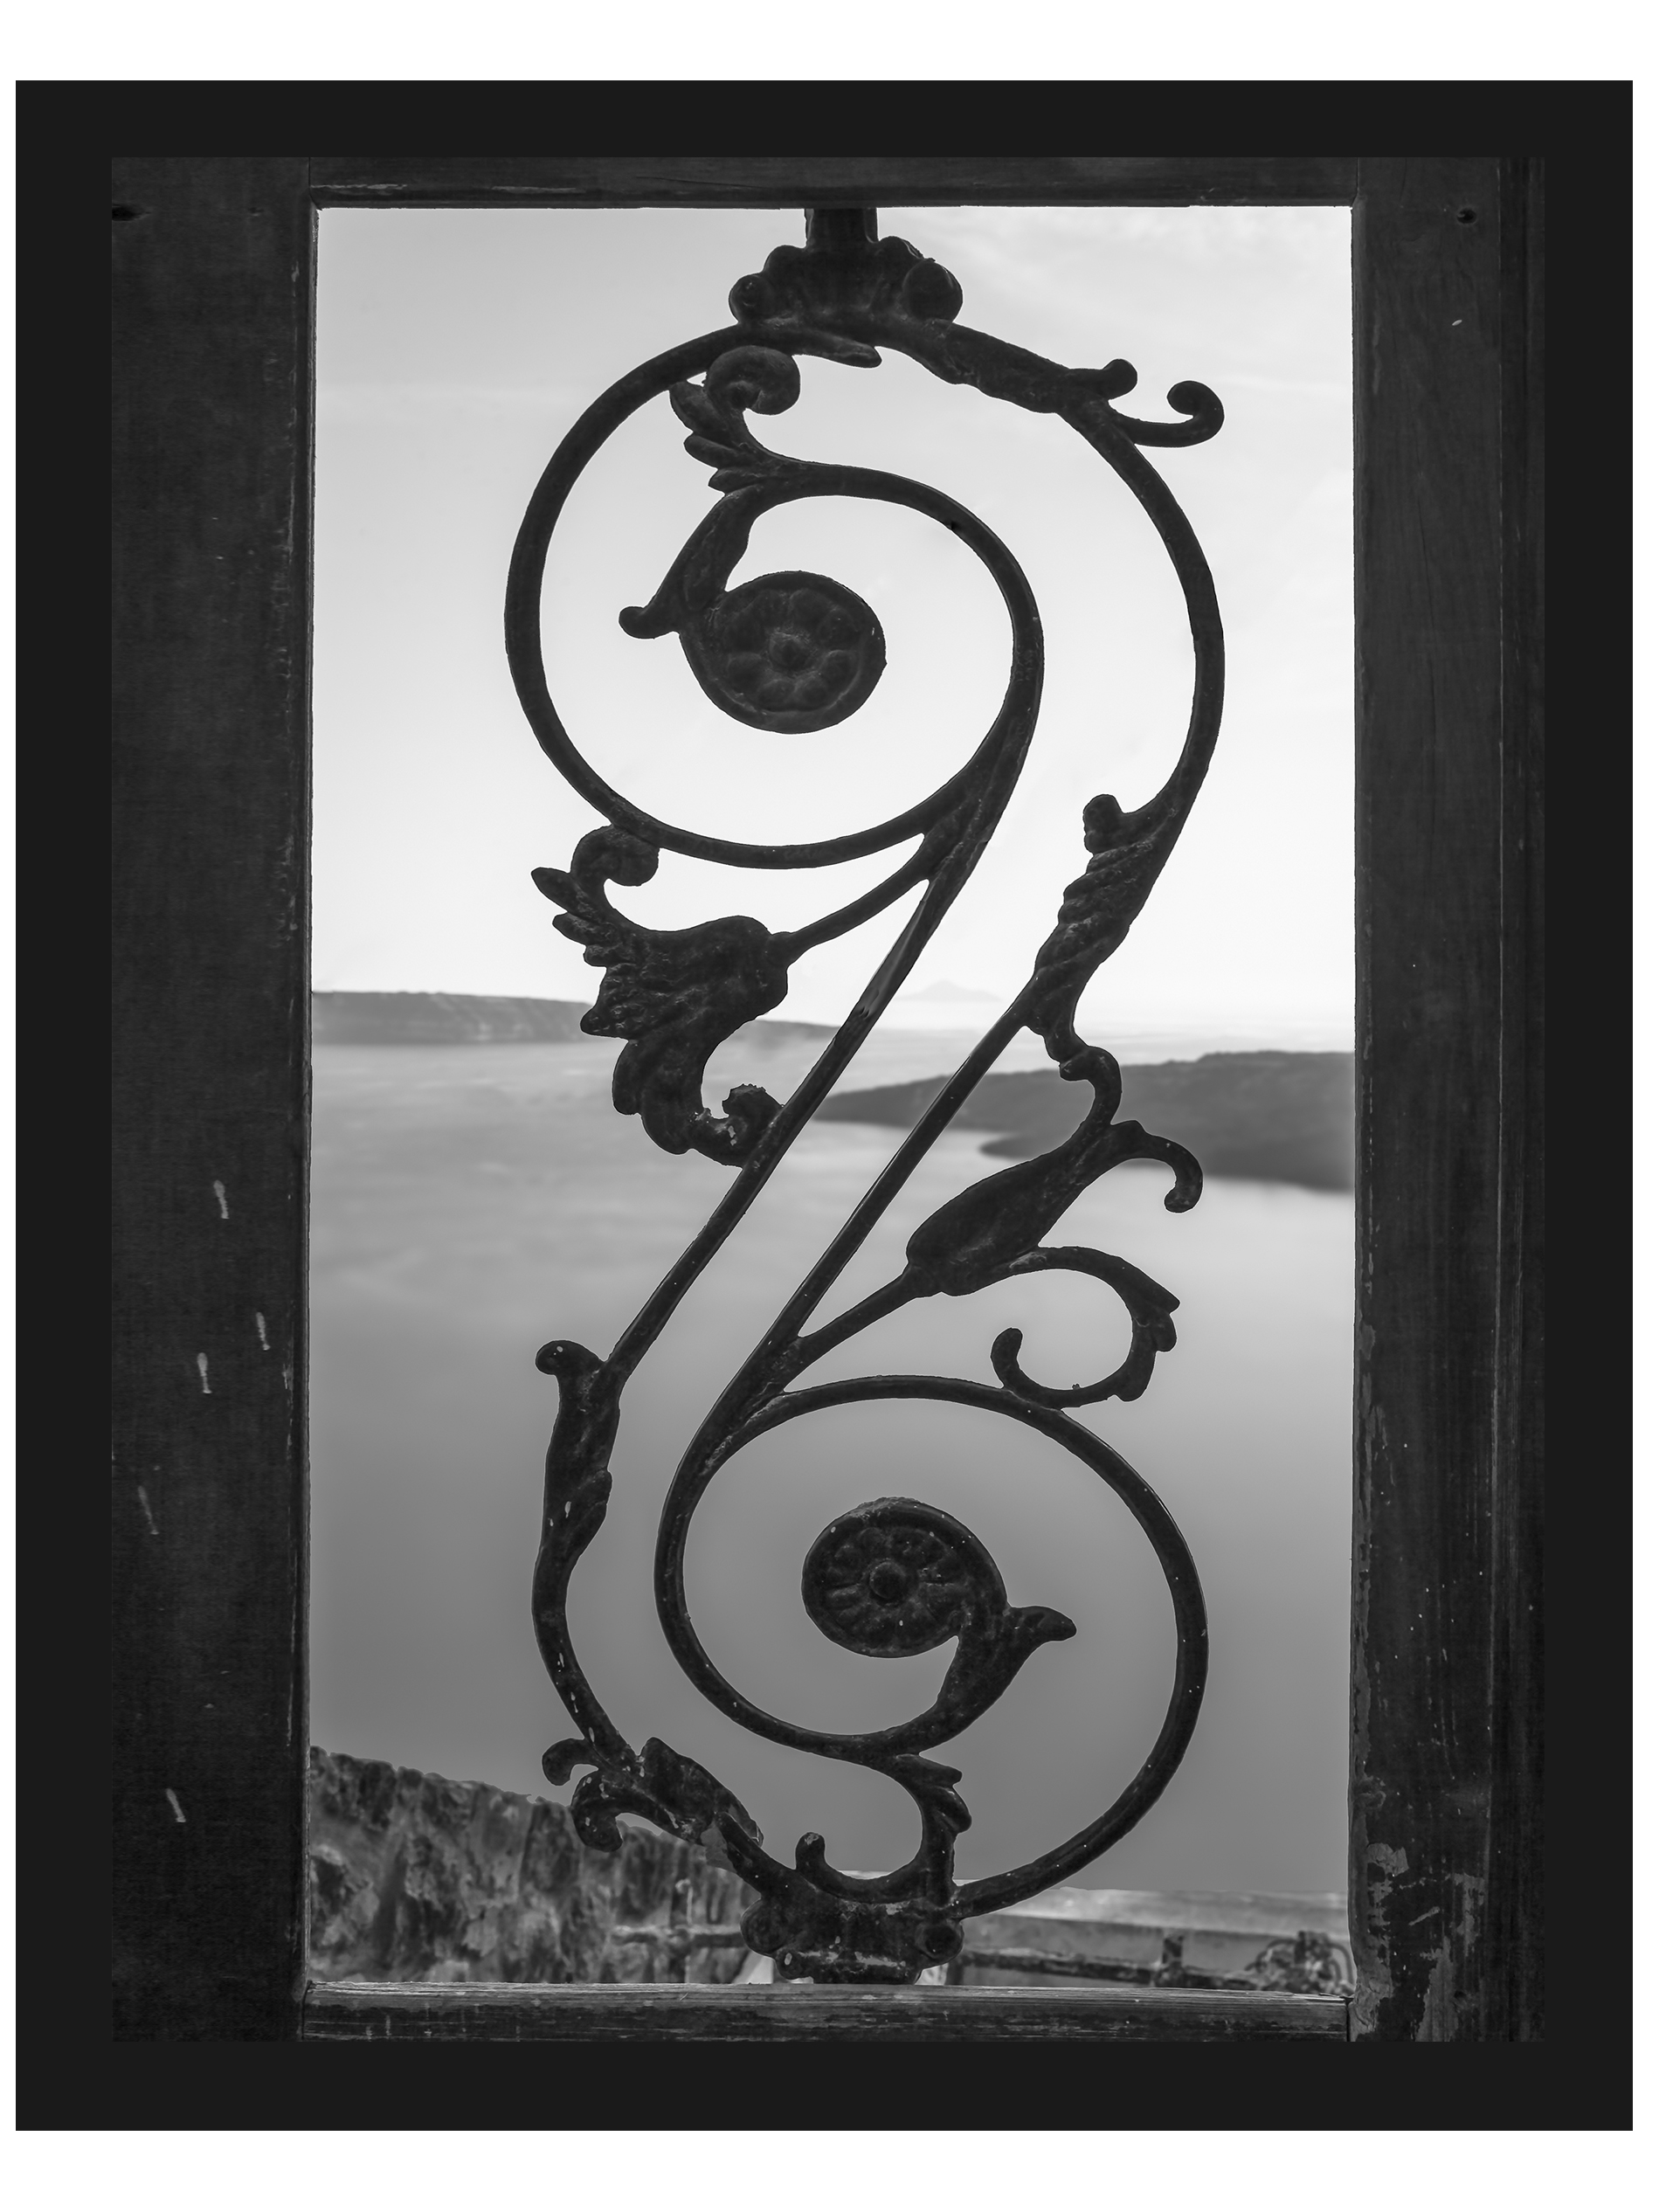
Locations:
column 1271, row 1117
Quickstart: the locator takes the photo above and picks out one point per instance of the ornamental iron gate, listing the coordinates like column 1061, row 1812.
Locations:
column 796, row 653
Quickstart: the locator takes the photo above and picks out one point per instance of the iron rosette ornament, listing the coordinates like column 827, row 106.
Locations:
column 795, row 653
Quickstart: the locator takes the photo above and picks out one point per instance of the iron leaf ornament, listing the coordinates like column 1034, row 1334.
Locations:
column 793, row 653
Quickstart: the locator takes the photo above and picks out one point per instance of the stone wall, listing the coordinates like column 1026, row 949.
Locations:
column 415, row 1879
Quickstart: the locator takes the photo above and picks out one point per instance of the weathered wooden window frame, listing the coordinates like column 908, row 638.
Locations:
column 214, row 322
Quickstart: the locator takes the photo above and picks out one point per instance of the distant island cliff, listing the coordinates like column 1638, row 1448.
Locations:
column 465, row 1018
column 1277, row 1116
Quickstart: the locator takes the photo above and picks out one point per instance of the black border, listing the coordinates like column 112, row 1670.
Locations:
column 1582, row 131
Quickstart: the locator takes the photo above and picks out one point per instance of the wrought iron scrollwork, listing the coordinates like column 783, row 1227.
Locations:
column 795, row 653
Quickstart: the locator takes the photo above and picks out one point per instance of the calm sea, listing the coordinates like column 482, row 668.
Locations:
column 470, row 1202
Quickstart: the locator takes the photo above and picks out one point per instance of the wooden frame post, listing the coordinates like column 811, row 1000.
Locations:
column 1446, row 1874
column 212, row 397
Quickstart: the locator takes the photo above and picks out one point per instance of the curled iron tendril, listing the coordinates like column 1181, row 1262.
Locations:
column 792, row 654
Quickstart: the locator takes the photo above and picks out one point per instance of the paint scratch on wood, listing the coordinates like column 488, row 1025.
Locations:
column 149, row 1517
column 219, row 1192
column 201, row 1369
column 1444, row 1997
column 1392, row 1861
column 179, row 1810
column 258, row 1323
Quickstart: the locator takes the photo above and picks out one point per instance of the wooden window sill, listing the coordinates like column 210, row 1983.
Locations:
column 529, row 2012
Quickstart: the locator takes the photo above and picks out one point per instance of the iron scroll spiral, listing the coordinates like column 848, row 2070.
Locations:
column 793, row 652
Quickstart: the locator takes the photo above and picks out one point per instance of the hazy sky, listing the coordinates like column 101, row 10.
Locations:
column 457, row 347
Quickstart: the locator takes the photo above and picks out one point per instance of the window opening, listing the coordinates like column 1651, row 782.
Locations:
column 385, row 1359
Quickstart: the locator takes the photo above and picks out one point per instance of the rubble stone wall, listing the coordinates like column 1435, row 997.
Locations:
column 416, row 1878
